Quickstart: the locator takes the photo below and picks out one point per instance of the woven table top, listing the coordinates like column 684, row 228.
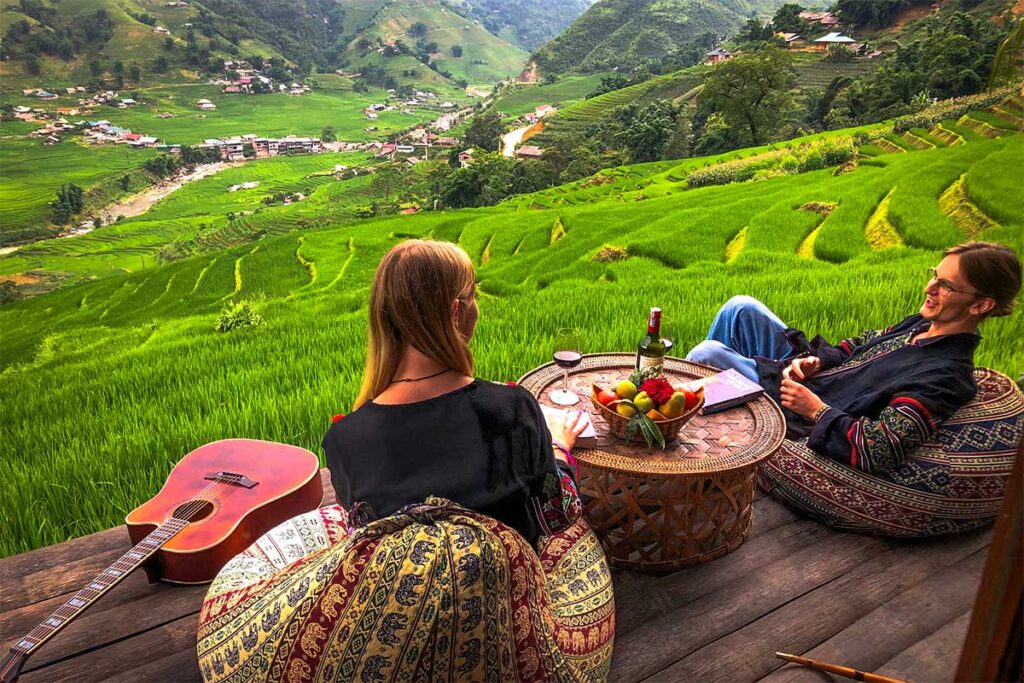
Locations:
column 735, row 438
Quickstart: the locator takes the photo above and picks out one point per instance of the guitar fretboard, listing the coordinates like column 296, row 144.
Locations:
column 103, row 582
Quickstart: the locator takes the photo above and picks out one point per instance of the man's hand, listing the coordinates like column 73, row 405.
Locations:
column 799, row 398
column 802, row 368
column 565, row 427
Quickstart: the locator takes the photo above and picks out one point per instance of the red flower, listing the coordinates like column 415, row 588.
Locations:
column 658, row 389
column 337, row 418
column 512, row 384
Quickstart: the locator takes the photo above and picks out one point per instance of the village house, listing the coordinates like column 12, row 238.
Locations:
column 405, row 149
column 529, row 152
column 206, row 105
column 791, row 39
column 387, row 150
column 412, row 161
column 545, row 110
column 446, row 142
column 44, row 95
column 717, row 55
column 825, row 41
column 822, row 18
column 465, row 158
column 446, row 122
column 160, row 30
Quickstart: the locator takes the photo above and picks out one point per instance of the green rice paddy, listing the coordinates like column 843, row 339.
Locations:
column 105, row 385
column 32, row 173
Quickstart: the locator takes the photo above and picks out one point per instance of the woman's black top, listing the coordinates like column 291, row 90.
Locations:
column 485, row 446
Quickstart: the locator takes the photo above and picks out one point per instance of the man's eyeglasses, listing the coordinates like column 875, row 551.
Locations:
column 944, row 286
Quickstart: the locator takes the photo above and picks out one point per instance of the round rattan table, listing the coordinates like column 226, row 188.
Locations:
column 661, row 510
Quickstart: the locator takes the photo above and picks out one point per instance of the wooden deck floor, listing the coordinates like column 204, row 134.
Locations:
column 896, row 608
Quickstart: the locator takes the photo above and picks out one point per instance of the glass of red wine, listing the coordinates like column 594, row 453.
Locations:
column 568, row 354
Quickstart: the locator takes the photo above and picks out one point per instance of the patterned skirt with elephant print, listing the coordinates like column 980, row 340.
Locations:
column 435, row 592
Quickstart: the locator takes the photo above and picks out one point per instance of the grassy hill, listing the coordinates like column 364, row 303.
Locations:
column 485, row 58
column 134, row 42
column 108, row 383
column 621, row 34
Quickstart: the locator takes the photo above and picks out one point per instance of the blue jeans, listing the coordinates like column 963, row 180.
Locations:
column 743, row 328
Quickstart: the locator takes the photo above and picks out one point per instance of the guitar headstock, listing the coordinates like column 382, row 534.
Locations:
column 10, row 666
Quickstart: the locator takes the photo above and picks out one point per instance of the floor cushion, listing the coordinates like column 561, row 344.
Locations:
column 952, row 483
column 435, row 592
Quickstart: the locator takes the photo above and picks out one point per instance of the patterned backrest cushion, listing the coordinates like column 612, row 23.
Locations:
column 977, row 445
column 952, row 483
column 429, row 592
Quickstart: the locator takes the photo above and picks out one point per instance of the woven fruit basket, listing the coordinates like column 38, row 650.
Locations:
column 668, row 428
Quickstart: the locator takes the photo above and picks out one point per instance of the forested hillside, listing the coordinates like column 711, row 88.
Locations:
column 528, row 23
column 621, row 34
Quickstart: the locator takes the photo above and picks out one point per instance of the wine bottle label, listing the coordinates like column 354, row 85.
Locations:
column 649, row 362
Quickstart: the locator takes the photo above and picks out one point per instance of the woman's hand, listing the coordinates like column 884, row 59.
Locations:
column 802, row 368
column 565, row 427
column 799, row 398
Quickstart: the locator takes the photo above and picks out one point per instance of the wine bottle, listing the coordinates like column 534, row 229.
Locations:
column 650, row 353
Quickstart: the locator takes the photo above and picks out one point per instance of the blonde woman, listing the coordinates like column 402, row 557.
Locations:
column 424, row 426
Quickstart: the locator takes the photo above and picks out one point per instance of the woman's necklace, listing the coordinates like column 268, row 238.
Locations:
column 417, row 379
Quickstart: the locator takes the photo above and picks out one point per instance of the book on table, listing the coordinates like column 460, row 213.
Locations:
column 725, row 390
column 589, row 438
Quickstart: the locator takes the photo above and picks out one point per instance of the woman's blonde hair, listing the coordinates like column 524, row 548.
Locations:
column 410, row 303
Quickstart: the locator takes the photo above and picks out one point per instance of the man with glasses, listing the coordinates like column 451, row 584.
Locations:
column 869, row 400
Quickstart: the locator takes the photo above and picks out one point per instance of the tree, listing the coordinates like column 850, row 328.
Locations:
column 751, row 91
column 787, row 19
column 874, row 13
column 386, row 179
column 485, row 131
column 32, row 64
column 135, row 73
column 70, row 201
column 95, row 67
column 418, row 30
column 125, row 182
column 456, row 51
column 161, row 65
column 168, row 43
column 328, row 134
column 646, row 131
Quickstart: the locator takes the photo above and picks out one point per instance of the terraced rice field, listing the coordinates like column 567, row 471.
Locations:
column 32, row 174
column 108, row 383
column 198, row 217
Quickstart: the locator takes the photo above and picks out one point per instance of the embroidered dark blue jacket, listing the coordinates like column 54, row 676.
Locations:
column 887, row 396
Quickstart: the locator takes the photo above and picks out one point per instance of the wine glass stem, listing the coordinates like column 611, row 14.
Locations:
column 565, row 380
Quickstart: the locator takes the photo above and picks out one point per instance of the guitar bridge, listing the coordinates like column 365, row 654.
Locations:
column 231, row 478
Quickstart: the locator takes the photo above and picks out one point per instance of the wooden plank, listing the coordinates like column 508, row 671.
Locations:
column 676, row 590
column 871, row 641
column 662, row 641
column 632, row 587
column 864, row 617
column 933, row 658
column 56, row 570
column 106, row 624
column 180, row 667
column 125, row 657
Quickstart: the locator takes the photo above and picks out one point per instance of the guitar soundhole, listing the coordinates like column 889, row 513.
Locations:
column 194, row 510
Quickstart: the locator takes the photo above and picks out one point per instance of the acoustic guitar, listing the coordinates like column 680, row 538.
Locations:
column 218, row 500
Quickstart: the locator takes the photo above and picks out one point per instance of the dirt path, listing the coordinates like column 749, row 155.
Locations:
column 141, row 203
